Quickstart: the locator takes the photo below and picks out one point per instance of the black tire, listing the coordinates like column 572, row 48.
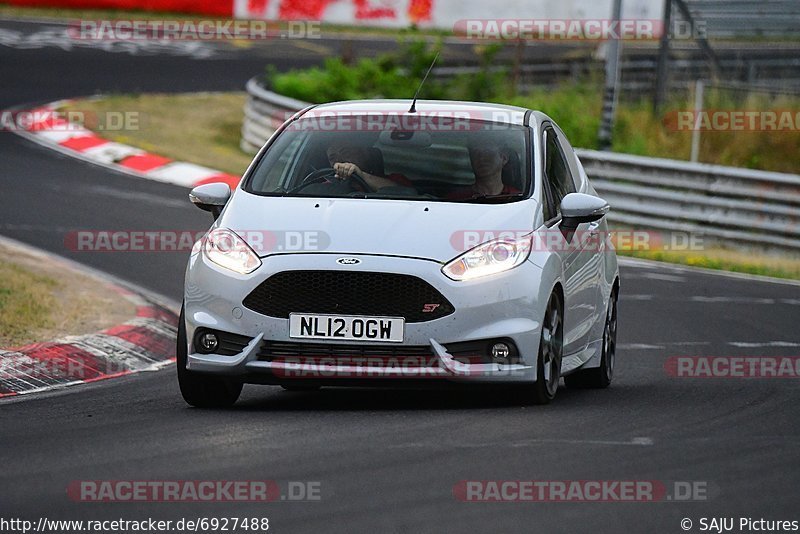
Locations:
column 600, row 377
column 551, row 344
column 199, row 390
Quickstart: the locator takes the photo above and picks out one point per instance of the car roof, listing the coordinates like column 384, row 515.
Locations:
column 478, row 110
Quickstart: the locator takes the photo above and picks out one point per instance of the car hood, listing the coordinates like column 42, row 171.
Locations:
column 436, row 231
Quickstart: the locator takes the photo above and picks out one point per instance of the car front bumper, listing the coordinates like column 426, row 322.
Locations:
column 500, row 306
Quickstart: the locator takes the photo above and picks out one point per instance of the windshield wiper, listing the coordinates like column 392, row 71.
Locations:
column 490, row 198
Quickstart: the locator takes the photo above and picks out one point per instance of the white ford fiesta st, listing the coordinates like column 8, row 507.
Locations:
column 376, row 243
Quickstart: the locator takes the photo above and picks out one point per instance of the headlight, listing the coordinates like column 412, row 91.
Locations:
column 226, row 249
column 493, row 257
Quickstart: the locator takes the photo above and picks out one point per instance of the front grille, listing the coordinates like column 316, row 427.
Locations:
column 348, row 293
column 361, row 355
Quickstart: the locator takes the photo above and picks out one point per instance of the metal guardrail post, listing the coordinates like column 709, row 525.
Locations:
column 613, row 53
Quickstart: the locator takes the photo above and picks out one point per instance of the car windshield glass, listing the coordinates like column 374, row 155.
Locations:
column 407, row 156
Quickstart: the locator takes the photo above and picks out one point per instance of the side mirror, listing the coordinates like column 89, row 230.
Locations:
column 577, row 208
column 211, row 197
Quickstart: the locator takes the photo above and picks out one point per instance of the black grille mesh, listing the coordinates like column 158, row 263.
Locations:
column 348, row 293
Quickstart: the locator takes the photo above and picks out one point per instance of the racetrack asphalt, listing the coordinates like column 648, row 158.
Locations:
column 387, row 461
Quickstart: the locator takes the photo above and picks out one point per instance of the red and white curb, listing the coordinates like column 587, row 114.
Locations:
column 146, row 342
column 49, row 128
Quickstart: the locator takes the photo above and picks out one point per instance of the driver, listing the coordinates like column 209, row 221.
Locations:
column 349, row 160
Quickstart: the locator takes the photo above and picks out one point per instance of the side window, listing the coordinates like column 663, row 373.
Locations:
column 276, row 175
column 557, row 173
column 572, row 161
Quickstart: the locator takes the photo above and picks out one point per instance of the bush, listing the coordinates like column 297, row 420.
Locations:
column 486, row 85
column 575, row 106
column 389, row 76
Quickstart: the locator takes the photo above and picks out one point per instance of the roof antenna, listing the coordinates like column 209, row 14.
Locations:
column 414, row 102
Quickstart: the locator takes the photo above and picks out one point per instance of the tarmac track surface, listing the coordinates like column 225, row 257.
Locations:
column 387, row 461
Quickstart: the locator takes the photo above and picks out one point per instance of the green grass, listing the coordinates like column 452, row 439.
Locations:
column 576, row 106
column 26, row 303
column 725, row 260
column 203, row 128
column 638, row 130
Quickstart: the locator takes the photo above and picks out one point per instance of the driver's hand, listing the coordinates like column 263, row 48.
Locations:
column 346, row 170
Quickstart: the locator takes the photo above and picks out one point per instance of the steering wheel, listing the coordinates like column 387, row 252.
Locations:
column 361, row 183
column 325, row 174
column 328, row 174
column 314, row 177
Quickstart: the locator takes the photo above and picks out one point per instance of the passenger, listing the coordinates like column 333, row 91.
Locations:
column 487, row 164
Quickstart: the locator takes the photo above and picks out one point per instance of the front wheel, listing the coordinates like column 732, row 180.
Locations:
column 199, row 390
column 551, row 344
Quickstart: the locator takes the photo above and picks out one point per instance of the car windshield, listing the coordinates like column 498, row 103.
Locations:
column 422, row 158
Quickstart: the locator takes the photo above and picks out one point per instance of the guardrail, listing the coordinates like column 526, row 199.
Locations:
column 264, row 112
column 728, row 204
column 639, row 71
column 739, row 207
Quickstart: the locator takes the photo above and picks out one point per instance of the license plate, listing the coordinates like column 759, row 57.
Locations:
column 346, row 327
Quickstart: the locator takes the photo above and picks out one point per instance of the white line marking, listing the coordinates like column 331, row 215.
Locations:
column 59, row 136
column 739, row 344
column 637, row 442
column 47, row 388
column 110, row 152
column 651, row 264
column 59, row 37
column 738, row 300
column 754, row 345
column 705, row 299
column 664, row 277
